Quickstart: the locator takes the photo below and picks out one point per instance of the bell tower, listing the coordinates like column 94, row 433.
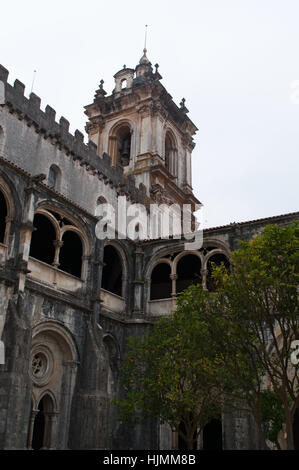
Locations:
column 141, row 128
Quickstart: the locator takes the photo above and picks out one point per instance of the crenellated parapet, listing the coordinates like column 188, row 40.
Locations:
column 45, row 124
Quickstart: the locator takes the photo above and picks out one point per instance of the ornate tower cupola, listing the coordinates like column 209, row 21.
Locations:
column 123, row 79
column 141, row 128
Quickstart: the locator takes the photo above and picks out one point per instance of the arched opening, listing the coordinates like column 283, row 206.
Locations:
column 42, row 240
column 124, row 83
column 70, row 256
column 112, row 271
column 188, row 272
column 3, row 215
column 212, row 435
column 160, row 282
column 170, row 153
column 120, row 145
column 296, row 429
column 42, row 429
column 54, row 177
column 213, row 261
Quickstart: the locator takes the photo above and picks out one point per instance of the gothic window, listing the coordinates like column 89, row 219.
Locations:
column 188, row 272
column 3, row 215
column 112, row 271
column 54, row 177
column 215, row 260
column 161, row 282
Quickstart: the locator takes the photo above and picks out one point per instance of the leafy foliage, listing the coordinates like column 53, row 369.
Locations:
column 172, row 374
column 260, row 301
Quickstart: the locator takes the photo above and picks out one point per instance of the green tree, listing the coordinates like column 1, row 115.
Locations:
column 259, row 303
column 173, row 373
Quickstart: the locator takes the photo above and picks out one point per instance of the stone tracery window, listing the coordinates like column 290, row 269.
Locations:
column 39, row 365
column 57, row 241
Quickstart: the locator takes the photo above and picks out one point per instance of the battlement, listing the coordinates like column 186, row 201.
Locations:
column 44, row 123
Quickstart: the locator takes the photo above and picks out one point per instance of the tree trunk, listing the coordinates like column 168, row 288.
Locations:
column 289, row 430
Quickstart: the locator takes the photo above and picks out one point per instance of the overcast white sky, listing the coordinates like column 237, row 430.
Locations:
column 234, row 61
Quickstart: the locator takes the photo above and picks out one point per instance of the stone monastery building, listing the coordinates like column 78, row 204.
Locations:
column 68, row 299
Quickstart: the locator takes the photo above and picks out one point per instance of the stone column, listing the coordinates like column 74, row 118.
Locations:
column 139, row 282
column 31, row 427
column 173, row 278
column 204, row 273
column 49, row 430
column 58, row 244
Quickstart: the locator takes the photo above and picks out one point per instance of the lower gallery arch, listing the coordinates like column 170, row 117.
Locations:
column 188, row 272
column 161, row 282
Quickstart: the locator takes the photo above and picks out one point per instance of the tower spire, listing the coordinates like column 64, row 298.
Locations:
column 144, row 59
column 145, row 38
